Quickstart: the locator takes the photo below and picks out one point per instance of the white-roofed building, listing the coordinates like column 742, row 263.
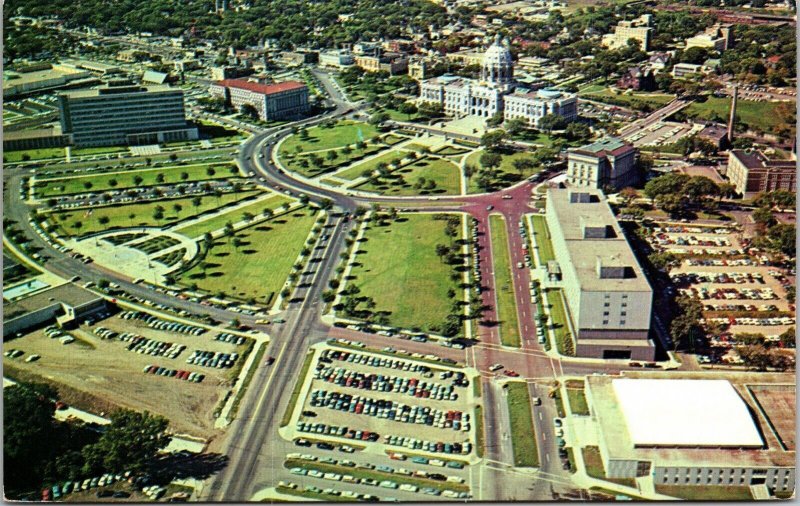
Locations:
column 693, row 432
column 682, row 412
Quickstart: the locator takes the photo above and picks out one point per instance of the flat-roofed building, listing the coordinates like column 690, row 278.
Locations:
column 532, row 106
column 40, row 138
column 718, row 37
column 40, row 79
column 607, row 162
column 689, row 432
column 639, row 29
column 272, row 101
column 753, row 172
column 607, row 294
column 62, row 304
column 336, row 58
column 118, row 115
column 393, row 63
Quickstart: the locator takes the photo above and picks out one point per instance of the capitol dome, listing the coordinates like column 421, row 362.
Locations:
column 498, row 64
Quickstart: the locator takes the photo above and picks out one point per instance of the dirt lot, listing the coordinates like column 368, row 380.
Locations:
column 330, row 416
column 99, row 374
column 779, row 403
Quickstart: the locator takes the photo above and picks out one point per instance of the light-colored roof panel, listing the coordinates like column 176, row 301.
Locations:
column 685, row 413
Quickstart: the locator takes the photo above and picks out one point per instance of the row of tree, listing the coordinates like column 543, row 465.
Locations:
column 38, row 449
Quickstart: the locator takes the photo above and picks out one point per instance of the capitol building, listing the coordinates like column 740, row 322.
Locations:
column 496, row 92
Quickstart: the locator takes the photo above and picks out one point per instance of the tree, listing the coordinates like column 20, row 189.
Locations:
column 326, row 204
column 490, row 160
column 184, row 176
column 685, row 328
column 103, row 220
column 493, row 139
column 196, row 201
column 441, row 251
column 248, row 216
column 550, row 122
column 408, row 108
column 379, row 118
column 782, row 238
column 700, row 187
column 130, row 442
column 88, row 185
column 249, row 111
column 764, row 217
column 331, row 156
column 496, row 120
column 177, row 208
column 577, row 131
column 522, row 164
column 211, row 172
column 671, row 183
column 628, row 195
column 28, row 433
column 158, row 213
column 113, row 183
column 160, row 178
column 515, row 126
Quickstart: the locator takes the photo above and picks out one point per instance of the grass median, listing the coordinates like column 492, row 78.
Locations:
column 523, row 434
column 542, row 238
column 298, row 386
column 558, row 319
column 262, row 349
column 504, row 286
column 577, row 397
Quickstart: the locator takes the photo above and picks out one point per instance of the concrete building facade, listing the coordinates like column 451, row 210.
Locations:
column 753, row 172
column 718, row 37
column 63, row 304
column 607, row 294
column 118, row 115
column 607, row 162
column 639, row 29
column 336, row 58
column 272, row 101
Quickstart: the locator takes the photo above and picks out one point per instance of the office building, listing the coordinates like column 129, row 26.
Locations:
column 753, row 172
column 336, row 58
column 392, row 63
column 718, row 38
column 608, row 162
column 607, row 294
column 638, row 29
column 496, row 92
column 272, row 101
column 118, row 115
column 695, row 432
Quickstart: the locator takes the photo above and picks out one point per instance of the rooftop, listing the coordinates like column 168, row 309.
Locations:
column 758, row 160
column 604, row 147
column 120, row 90
column 684, row 412
column 265, row 89
column 611, row 249
column 680, row 408
column 67, row 294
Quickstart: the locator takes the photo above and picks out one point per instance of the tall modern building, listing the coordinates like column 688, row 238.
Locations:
column 639, row 29
column 496, row 92
column 607, row 294
column 607, row 162
column 272, row 101
column 118, row 115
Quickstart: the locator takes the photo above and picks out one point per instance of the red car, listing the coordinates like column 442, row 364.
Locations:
column 511, row 373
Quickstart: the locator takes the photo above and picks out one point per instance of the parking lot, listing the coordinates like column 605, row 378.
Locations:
column 134, row 363
column 392, row 404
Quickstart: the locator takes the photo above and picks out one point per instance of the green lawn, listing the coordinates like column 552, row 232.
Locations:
column 34, row 154
column 402, row 181
column 542, row 238
column 294, row 162
column 121, row 180
column 505, row 175
column 523, row 435
column 506, row 300
column 119, row 216
column 259, row 266
column 577, row 398
column 706, row 493
column 298, row 385
column 354, row 172
column 480, row 436
column 758, row 115
column 98, row 151
column 319, row 137
column 218, row 222
column 633, row 100
column 398, row 267
column 558, row 319
column 594, row 467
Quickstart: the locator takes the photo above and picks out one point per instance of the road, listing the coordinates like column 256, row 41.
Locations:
column 656, row 116
column 252, row 443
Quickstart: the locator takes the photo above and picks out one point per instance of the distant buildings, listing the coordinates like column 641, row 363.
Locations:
column 718, row 37
column 680, row 70
column 42, row 77
column 272, row 101
column 607, row 295
column 638, row 78
column 496, row 92
column 607, row 162
column 694, row 432
column 336, row 58
column 753, row 172
column 393, row 63
column 639, row 29
column 118, row 115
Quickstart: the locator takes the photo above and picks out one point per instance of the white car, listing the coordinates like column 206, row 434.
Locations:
column 496, row 367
